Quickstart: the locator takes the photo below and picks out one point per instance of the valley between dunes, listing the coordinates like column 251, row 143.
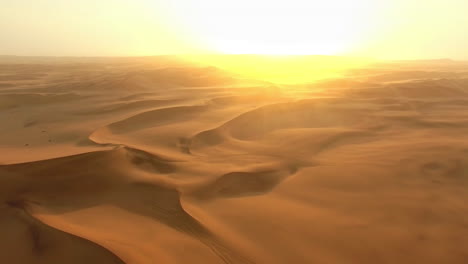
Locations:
column 152, row 160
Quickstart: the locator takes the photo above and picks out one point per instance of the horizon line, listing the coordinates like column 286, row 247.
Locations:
column 226, row 54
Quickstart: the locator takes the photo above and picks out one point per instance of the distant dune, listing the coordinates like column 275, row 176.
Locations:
column 160, row 160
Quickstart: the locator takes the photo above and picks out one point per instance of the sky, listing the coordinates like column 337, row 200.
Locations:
column 387, row 29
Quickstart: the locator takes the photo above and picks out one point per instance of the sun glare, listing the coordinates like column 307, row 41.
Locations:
column 293, row 27
column 280, row 68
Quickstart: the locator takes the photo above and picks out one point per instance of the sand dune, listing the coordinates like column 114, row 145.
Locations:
column 155, row 160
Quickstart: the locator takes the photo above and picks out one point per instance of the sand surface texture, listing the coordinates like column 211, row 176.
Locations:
column 150, row 160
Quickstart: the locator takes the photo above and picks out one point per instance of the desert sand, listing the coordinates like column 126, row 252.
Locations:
column 156, row 160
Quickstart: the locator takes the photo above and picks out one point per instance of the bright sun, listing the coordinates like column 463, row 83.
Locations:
column 275, row 27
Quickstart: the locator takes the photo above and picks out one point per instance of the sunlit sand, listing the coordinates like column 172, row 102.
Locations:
column 205, row 159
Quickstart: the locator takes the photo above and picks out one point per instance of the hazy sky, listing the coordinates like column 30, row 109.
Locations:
column 409, row 29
